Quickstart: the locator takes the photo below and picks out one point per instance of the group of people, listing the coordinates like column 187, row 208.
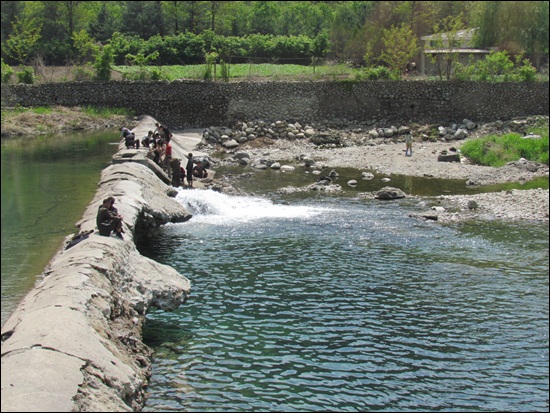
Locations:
column 160, row 149
column 192, row 171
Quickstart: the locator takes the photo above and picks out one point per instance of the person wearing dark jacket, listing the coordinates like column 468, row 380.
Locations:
column 189, row 170
column 107, row 220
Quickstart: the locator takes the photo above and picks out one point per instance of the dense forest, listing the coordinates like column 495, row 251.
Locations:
column 185, row 32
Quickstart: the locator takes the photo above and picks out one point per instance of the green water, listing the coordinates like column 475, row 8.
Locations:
column 342, row 304
column 47, row 182
column 265, row 181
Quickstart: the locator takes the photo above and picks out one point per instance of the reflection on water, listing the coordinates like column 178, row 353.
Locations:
column 47, row 182
column 336, row 304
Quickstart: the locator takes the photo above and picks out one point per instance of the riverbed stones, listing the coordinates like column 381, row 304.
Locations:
column 389, row 192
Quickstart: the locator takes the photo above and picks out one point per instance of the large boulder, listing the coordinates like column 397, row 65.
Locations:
column 389, row 192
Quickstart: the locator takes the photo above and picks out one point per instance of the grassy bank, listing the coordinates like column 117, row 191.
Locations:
column 58, row 119
column 495, row 150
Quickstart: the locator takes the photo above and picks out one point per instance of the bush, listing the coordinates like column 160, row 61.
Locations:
column 499, row 150
column 81, row 73
column 527, row 73
column 376, row 73
column 7, row 71
column 26, row 76
column 497, row 67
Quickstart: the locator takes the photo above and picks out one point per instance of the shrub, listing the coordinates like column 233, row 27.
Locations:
column 527, row 73
column 103, row 63
column 26, row 76
column 497, row 67
column 499, row 150
column 376, row 73
column 7, row 71
column 81, row 73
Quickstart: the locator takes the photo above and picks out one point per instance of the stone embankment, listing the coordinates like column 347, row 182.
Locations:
column 74, row 343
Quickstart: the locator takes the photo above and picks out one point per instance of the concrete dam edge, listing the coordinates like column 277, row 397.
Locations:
column 74, row 343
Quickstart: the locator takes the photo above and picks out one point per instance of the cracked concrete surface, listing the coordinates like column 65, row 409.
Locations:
column 74, row 342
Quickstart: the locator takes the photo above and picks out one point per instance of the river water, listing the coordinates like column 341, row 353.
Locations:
column 309, row 302
column 47, row 183
column 331, row 303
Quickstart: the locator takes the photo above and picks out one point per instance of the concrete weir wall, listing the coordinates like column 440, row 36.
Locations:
column 74, row 343
column 195, row 104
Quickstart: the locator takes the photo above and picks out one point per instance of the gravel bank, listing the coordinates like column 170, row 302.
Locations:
column 513, row 205
column 388, row 157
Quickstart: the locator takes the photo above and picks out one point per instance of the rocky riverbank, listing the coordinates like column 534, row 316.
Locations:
column 364, row 147
column 369, row 152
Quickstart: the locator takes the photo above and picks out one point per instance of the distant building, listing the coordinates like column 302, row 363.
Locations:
column 440, row 46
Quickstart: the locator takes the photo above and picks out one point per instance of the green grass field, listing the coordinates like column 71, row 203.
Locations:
column 243, row 71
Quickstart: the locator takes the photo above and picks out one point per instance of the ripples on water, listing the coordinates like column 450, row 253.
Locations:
column 346, row 305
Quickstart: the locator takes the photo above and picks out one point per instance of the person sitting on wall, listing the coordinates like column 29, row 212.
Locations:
column 199, row 171
column 108, row 221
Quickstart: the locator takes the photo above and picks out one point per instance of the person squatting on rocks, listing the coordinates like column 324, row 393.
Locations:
column 147, row 140
column 108, row 219
column 129, row 138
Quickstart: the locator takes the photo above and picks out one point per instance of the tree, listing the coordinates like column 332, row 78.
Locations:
column 104, row 63
column 400, row 47
column 85, row 48
column 319, row 48
column 347, row 33
column 514, row 26
column 103, row 27
column 174, row 12
column 214, row 9
column 266, row 16
column 21, row 42
column 305, row 18
column 10, row 9
column 447, row 39
column 143, row 19
column 70, row 9
column 195, row 15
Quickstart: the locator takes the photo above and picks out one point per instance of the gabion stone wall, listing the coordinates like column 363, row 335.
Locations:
column 197, row 104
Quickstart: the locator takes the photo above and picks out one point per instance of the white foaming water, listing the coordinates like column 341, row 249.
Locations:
column 215, row 207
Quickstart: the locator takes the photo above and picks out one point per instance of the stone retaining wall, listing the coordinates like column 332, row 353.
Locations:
column 196, row 104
